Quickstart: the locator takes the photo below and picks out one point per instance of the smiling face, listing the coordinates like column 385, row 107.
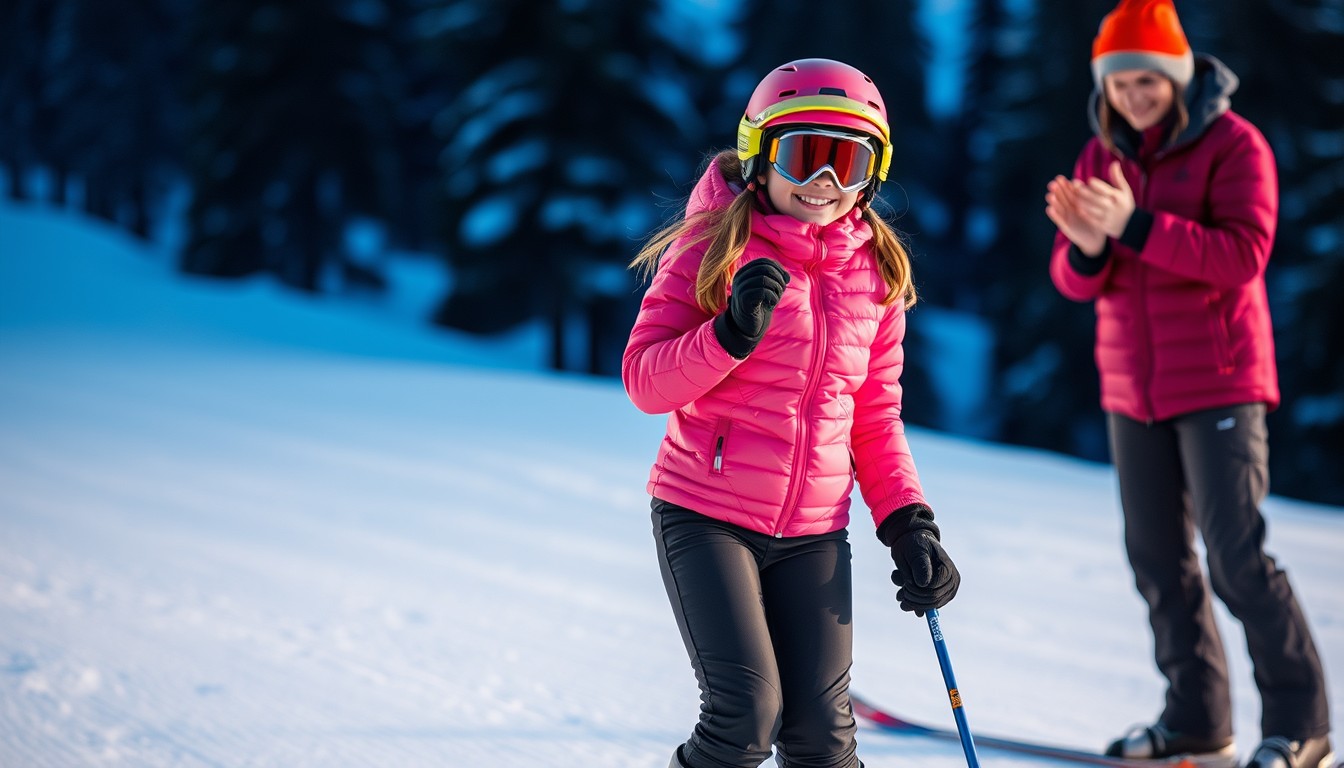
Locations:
column 1142, row 97
column 820, row 201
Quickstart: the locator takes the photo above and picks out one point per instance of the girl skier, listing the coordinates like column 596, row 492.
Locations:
column 771, row 334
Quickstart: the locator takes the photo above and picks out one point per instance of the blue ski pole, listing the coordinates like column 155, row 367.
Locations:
column 963, row 730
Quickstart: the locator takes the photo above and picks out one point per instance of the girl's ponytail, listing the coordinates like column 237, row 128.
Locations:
column 726, row 229
column 893, row 260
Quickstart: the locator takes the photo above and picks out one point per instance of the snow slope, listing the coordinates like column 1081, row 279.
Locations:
column 241, row 528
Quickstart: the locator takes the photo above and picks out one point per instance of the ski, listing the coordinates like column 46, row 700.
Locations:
column 886, row 721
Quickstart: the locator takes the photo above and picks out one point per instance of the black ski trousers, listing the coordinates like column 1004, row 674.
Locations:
column 766, row 623
column 1209, row 471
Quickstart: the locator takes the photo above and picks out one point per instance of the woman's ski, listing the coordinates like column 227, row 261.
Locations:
column 886, row 721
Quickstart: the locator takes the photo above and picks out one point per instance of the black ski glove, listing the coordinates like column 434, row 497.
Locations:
column 757, row 287
column 927, row 577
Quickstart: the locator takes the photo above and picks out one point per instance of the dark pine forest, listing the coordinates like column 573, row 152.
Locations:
column 531, row 145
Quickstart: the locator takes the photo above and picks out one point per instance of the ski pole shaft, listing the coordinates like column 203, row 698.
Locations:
column 945, row 663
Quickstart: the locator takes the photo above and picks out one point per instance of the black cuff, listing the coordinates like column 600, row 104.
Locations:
column 733, row 341
column 1088, row 265
column 1136, row 231
column 911, row 517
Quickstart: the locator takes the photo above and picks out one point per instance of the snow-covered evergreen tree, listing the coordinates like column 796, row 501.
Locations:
column 27, row 115
column 572, row 124
column 291, row 115
column 119, row 127
column 1028, row 88
column 1287, row 55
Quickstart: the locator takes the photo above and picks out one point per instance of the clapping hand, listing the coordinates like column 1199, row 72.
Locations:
column 1087, row 212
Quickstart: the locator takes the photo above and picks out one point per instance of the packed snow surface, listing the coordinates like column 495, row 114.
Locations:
column 244, row 528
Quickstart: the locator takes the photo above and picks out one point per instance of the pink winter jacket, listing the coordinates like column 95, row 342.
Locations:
column 773, row 443
column 1183, row 319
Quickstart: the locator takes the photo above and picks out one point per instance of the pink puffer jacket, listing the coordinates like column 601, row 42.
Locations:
column 774, row 442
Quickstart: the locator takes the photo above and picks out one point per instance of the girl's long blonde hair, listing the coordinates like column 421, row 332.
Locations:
column 727, row 230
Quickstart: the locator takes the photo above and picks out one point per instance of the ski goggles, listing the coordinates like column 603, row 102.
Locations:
column 801, row 156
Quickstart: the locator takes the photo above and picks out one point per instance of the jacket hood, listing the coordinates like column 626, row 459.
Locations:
column 1208, row 96
column 712, row 191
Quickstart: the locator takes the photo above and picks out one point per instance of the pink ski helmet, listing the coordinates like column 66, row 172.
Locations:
column 813, row 92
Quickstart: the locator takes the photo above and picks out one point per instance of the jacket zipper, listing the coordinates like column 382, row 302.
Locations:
column 1146, row 331
column 803, row 436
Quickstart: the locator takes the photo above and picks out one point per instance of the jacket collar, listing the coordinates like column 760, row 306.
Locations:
column 846, row 234
column 1206, row 99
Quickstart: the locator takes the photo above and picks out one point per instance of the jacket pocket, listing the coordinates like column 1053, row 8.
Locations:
column 1219, row 335
column 719, row 447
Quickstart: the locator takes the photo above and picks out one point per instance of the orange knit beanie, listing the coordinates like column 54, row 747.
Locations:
column 1142, row 34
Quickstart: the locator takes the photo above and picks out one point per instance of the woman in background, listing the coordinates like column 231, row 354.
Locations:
column 1167, row 226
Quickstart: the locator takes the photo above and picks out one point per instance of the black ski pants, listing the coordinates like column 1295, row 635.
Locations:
column 1209, row 471
column 766, row 623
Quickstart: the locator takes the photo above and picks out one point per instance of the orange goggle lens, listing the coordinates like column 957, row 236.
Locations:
column 802, row 156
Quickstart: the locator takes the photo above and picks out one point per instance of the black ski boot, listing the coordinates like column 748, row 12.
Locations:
column 1278, row 752
column 1158, row 742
